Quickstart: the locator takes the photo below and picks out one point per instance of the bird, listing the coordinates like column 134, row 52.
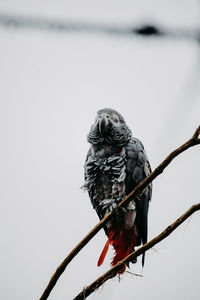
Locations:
column 115, row 164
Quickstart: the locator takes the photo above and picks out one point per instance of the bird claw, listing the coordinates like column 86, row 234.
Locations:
column 133, row 261
column 110, row 205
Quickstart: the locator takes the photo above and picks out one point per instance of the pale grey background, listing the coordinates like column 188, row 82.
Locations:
column 51, row 87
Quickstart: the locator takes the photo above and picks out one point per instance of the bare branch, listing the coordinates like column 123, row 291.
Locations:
column 113, row 271
column 135, row 193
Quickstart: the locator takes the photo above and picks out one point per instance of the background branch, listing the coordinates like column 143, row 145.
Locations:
column 113, row 271
column 77, row 27
column 135, row 193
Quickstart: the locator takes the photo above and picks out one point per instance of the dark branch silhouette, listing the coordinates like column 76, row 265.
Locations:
column 194, row 140
column 114, row 270
column 69, row 26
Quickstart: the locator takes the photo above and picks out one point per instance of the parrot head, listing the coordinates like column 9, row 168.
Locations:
column 110, row 128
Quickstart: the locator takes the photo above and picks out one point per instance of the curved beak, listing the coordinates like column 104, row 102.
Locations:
column 103, row 123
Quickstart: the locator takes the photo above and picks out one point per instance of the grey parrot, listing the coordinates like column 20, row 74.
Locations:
column 116, row 163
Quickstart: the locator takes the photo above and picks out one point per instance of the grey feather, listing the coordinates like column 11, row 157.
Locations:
column 115, row 164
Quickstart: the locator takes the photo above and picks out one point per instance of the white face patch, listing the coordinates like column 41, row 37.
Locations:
column 114, row 118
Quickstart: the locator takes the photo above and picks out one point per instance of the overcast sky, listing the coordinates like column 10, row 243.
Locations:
column 52, row 84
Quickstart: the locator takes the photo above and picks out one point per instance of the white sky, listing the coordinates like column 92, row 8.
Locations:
column 51, row 87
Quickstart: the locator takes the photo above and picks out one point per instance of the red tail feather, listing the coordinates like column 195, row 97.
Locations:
column 103, row 254
column 110, row 241
column 123, row 244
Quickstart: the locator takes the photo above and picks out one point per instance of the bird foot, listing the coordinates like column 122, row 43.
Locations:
column 110, row 205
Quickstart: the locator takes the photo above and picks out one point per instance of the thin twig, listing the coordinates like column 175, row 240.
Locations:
column 114, row 271
column 135, row 193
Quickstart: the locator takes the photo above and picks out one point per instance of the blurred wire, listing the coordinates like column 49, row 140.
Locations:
column 145, row 30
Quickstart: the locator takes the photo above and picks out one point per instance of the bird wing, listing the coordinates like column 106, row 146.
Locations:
column 137, row 169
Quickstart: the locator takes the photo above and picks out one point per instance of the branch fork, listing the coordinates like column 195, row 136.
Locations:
column 194, row 140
